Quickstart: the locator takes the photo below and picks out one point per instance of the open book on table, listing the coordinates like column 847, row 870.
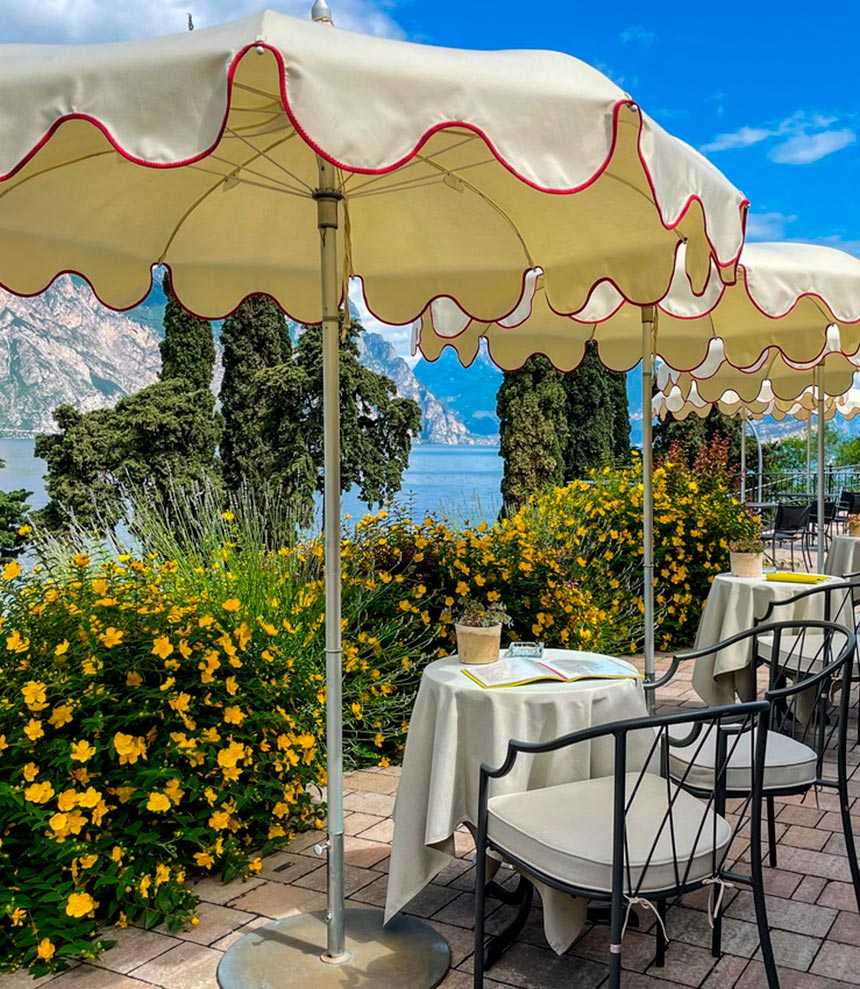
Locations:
column 516, row 672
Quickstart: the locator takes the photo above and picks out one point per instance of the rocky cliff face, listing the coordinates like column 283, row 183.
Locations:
column 439, row 423
column 62, row 347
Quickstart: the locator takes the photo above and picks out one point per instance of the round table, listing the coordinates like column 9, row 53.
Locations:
column 456, row 725
column 844, row 556
column 733, row 605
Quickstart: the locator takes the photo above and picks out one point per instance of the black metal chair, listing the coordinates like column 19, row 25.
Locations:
column 808, row 663
column 838, row 603
column 637, row 837
column 811, row 536
column 849, row 504
column 790, row 527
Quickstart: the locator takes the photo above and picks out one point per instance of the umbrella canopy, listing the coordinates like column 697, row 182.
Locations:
column 272, row 155
column 199, row 151
column 786, row 297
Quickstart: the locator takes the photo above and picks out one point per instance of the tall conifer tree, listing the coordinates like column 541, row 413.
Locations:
column 188, row 347
column 533, row 431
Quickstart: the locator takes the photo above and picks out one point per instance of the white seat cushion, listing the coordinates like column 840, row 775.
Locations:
column 804, row 657
column 788, row 763
column 565, row 831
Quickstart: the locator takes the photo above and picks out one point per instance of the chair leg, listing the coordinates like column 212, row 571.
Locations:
column 757, row 877
column 616, row 925
column 771, row 832
column 660, row 954
column 848, row 832
column 717, row 935
column 480, row 902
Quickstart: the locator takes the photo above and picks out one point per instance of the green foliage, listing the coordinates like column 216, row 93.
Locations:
column 161, row 439
column 597, row 417
column 692, row 434
column 533, row 431
column 188, row 347
column 14, row 529
column 376, row 428
column 258, row 378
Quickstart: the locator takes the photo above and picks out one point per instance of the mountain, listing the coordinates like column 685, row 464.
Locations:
column 469, row 390
column 63, row 347
column 439, row 423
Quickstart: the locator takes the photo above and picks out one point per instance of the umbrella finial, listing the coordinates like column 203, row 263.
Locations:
column 321, row 12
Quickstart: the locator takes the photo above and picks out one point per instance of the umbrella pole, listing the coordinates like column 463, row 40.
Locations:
column 743, row 458
column 337, row 947
column 648, row 320
column 822, row 526
column 327, row 198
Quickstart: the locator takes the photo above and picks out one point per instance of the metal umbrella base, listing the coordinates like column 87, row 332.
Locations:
column 288, row 954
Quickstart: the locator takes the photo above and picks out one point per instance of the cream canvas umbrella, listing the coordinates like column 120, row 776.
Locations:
column 230, row 154
column 773, row 386
column 802, row 301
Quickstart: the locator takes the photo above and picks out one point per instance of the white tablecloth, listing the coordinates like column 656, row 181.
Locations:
column 456, row 725
column 844, row 556
column 733, row 605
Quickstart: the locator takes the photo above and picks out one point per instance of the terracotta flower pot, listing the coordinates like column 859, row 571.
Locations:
column 854, row 528
column 746, row 564
column 476, row 645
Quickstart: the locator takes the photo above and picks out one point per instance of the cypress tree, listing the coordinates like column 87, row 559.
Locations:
column 533, row 431
column 188, row 347
column 591, row 404
column 617, row 381
column 254, row 339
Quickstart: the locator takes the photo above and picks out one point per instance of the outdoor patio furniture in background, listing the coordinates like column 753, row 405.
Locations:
column 634, row 838
column 733, row 605
column 809, row 665
column 843, row 558
column 814, row 532
column 789, row 527
column 455, row 726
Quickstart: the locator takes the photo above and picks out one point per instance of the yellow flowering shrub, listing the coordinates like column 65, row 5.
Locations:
column 162, row 717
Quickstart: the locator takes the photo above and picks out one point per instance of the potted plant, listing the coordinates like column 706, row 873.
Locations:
column 854, row 525
column 479, row 631
column 747, row 556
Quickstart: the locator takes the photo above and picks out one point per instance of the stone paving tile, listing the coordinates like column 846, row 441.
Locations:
column 133, row 947
column 89, row 977
column 187, row 966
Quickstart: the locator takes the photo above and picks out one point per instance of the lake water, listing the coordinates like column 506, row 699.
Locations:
column 459, row 481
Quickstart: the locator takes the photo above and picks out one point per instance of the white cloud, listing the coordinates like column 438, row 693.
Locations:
column 805, row 138
column 79, row 21
column 400, row 337
column 638, row 36
column 743, row 138
column 806, row 148
column 768, row 226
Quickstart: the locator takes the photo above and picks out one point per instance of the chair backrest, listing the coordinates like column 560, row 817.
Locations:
column 664, row 839
column 851, row 500
column 830, row 508
column 792, row 518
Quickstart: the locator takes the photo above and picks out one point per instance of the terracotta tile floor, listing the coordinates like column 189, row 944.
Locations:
column 816, row 930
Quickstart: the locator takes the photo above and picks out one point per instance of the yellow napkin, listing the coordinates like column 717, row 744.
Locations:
column 797, row 578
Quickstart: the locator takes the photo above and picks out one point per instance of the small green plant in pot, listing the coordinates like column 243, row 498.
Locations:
column 747, row 556
column 479, row 631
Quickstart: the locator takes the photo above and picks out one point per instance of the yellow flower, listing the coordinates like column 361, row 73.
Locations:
column 25, row 530
column 116, row 854
column 82, row 751
column 158, row 802
column 31, row 771
column 204, row 860
column 39, row 793
column 62, row 648
column 227, row 758
column 58, row 822
column 162, row 647
column 45, row 950
column 87, row 861
column 61, row 715
column 231, row 685
column 228, row 516
column 35, row 696
column 129, row 748
column 219, row 820
column 17, row 916
column 81, row 560
column 34, row 730
column 111, row 637
column 255, row 866
column 133, row 679
column 80, row 904
column 15, row 642
column 11, row 571
column 234, row 715
column 231, row 604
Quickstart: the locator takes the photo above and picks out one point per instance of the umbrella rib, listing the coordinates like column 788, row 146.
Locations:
column 416, row 183
column 265, row 153
column 266, row 181
column 268, row 184
column 52, row 168
column 417, row 160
